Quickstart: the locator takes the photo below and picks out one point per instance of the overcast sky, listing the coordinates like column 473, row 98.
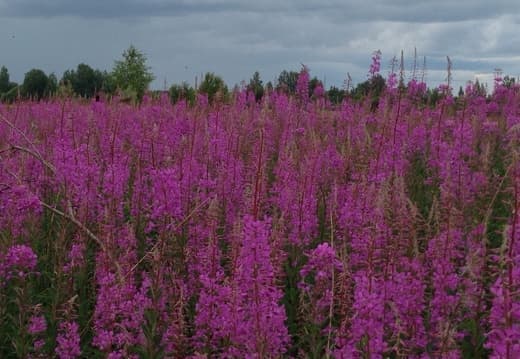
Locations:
column 234, row 38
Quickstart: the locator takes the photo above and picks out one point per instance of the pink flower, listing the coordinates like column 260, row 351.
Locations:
column 68, row 341
column 19, row 261
column 37, row 324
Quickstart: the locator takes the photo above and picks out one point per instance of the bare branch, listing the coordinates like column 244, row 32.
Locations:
column 10, row 124
column 36, row 155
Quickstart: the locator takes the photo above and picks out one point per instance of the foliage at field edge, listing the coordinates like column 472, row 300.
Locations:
column 285, row 227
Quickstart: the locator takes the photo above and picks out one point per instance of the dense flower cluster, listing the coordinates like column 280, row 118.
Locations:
column 37, row 325
column 19, row 261
column 68, row 341
column 321, row 269
column 17, row 205
column 386, row 226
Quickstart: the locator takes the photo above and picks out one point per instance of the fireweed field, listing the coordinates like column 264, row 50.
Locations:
column 285, row 228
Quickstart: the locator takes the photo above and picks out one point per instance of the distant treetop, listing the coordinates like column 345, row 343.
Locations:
column 131, row 74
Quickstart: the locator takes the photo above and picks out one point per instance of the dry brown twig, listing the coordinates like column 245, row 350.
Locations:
column 12, row 126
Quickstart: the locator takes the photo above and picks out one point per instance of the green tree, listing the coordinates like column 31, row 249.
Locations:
column 336, row 95
column 269, row 86
column 373, row 87
column 256, row 86
column 5, row 84
column 35, row 84
column 131, row 74
column 68, row 78
column 85, row 81
column 52, row 85
column 182, row 92
column 287, row 81
column 213, row 86
column 480, row 88
column 4, row 80
column 509, row 81
column 109, row 85
column 433, row 96
column 11, row 95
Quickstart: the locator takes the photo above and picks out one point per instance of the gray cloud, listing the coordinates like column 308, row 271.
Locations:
column 110, row 9
column 339, row 10
column 235, row 38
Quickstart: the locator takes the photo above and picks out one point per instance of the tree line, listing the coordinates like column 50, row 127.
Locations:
column 131, row 77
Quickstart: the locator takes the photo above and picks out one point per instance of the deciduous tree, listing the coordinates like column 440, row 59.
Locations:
column 131, row 73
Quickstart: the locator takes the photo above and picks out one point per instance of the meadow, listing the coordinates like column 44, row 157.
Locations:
column 285, row 227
